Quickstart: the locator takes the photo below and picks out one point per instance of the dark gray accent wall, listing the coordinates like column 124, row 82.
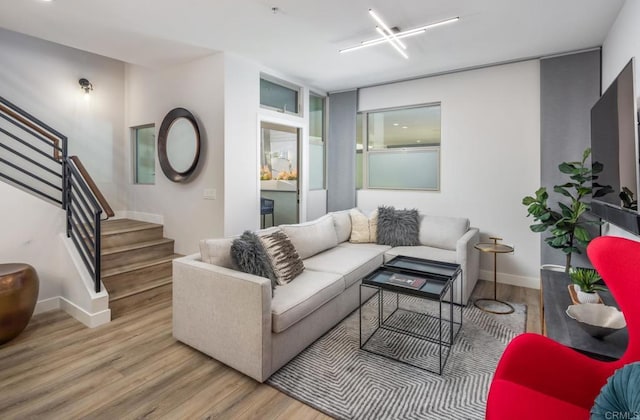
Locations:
column 569, row 86
column 341, row 151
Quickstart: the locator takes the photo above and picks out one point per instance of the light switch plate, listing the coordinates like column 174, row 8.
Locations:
column 209, row 194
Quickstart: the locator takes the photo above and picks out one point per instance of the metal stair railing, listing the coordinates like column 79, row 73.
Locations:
column 33, row 156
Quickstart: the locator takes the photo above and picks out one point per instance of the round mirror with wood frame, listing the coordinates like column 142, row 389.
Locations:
column 179, row 145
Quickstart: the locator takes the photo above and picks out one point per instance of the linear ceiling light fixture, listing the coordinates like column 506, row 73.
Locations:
column 387, row 30
column 396, row 36
column 391, row 41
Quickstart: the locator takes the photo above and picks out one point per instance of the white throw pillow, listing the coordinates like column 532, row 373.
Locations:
column 363, row 229
column 313, row 237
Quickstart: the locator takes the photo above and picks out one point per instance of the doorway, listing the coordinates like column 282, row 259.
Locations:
column 279, row 169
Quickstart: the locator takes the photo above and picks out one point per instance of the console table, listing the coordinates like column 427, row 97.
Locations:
column 558, row 326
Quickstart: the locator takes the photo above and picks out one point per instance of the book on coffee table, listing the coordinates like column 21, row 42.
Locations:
column 407, row 281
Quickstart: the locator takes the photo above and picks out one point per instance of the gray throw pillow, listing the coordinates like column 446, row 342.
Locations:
column 249, row 255
column 283, row 256
column 398, row 227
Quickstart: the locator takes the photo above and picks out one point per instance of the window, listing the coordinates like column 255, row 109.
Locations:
column 399, row 148
column 144, row 151
column 279, row 96
column 359, row 151
column 316, row 142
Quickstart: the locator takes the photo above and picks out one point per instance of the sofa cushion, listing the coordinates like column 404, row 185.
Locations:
column 249, row 255
column 312, row 237
column 284, row 259
column 424, row 252
column 297, row 299
column 217, row 252
column 398, row 227
column 442, row 231
column 353, row 262
column 364, row 228
column 342, row 224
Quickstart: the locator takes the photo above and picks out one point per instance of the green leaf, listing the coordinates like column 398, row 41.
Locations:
column 584, row 191
column 568, row 168
column 541, row 194
column 566, row 210
column 562, row 191
column 528, row 200
column 541, row 227
column 582, row 234
column 586, row 154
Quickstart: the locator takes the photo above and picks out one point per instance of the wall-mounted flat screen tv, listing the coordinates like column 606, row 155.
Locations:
column 614, row 143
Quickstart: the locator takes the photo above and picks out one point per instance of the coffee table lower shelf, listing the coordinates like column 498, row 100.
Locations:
column 406, row 335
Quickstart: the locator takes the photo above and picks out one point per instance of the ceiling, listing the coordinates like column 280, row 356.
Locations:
column 302, row 39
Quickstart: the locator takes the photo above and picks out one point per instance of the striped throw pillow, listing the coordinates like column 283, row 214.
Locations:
column 282, row 255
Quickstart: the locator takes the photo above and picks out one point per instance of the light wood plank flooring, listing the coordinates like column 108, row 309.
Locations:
column 133, row 368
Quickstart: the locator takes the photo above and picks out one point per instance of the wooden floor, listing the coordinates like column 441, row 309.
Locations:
column 133, row 368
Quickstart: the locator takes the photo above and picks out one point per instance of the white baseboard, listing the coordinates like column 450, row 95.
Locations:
column 522, row 281
column 47, row 305
column 138, row 215
column 88, row 319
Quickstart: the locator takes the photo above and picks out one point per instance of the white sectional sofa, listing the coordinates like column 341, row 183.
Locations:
column 233, row 316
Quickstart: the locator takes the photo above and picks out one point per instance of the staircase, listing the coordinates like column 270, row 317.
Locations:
column 136, row 262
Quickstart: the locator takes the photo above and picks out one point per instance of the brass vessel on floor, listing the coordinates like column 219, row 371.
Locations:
column 19, row 287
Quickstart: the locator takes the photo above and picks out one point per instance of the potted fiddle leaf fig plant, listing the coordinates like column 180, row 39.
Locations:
column 567, row 224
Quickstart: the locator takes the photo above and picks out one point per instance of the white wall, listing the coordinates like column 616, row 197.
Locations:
column 490, row 156
column 42, row 78
column 150, row 94
column 33, row 233
column 243, row 115
column 622, row 43
column 242, row 146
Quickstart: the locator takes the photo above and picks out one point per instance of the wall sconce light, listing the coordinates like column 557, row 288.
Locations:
column 85, row 85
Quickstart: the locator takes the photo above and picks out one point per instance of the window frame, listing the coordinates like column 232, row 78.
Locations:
column 366, row 151
column 325, row 128
column 287, row 85
column 134, row 150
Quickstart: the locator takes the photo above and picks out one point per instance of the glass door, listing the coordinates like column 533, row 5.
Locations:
column 279, row 168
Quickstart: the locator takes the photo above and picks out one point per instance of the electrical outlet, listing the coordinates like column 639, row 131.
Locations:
column 209, row 194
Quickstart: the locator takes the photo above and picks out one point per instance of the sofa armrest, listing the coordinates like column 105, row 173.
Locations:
column 469, row 259
column 223, row 313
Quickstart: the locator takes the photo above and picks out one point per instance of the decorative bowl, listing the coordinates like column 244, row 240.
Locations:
column 596, row 319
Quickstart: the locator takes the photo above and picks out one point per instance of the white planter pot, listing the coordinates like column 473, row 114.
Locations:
column 553, row 267
column 586, row 297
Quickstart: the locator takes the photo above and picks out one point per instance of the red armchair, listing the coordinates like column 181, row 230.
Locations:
column 538, row 378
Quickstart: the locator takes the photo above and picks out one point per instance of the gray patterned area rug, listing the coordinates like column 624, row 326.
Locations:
column 336, row 377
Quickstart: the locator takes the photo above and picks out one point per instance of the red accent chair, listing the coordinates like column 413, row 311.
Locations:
column 538, row 378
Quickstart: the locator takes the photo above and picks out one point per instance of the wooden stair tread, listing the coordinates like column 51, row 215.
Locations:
column 138, row 288
column 136, row 266
column 117, row 226
column 134, row 246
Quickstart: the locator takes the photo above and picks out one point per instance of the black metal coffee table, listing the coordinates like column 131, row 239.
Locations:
column 408, row 325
